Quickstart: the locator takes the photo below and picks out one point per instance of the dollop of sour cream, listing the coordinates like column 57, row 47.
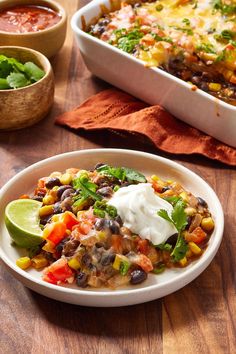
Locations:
column 137, row 206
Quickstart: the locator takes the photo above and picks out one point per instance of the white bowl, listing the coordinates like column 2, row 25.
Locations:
column 153, row 85
column 155, row 286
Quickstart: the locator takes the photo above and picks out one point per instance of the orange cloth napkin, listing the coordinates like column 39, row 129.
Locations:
column 116, row 110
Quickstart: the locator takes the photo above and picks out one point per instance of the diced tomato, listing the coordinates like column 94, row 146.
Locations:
column 49, row 278
column 116, row 243
column 55, row 232
column 143, row 246
column 41, row 182
column 196, row 236
column 69, row 219
column 24, row 196
column 57, row 271
column 41, row 191
column 144, row 262
column 157, row 186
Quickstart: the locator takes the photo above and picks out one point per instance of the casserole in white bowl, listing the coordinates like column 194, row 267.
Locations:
column 155, row 86
column 157, row 285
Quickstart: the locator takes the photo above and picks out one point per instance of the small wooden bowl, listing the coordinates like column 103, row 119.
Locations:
column 48, row 41
column 22, row 107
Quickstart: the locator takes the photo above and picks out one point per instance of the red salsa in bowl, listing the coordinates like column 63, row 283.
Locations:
column 27, row 18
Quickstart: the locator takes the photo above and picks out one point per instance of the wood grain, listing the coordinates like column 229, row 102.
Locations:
column 200, row 318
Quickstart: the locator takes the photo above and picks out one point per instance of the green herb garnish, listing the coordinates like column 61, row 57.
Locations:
column 100, row 209
column 14, row 74
column 164, row 247
column 161, row 39
column 122, row 173
column 127, row 41
column 206, row 47
column 225, row 9
column 179, row 220
column 186, row 21
column 159, row 269
column 86, row 189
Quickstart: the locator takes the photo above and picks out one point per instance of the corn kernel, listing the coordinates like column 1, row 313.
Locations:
column 46, row 210
column 48, row 199
column 169, row 181
column 213, row 86
column 23, row 262
column 190, row 211
column 66, row 178
column 155, row 178
column 39, row 261
column 55, row 174
column 55, row 217
column 101, row 235
column 194, row 248
column 74, row 263
column 183, row 262
column 184, row 196
column 208, row 224
column 49, row 247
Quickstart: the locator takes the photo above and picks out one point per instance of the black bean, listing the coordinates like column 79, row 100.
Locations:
column 119, row 220
column 52, row 182
column 86, row 260
column 202, row 202
column 57, row 208
column 164, row 189
column 59, row 246
column 196, row 80
column 204, row 86
column 66, row 204
column 82, row 279
column 70, row 247
column 104, row 21
column 114, row 227
column 44, row 220
column 105, row 191
column 138, row 276
column 107, row 259
column 99, row 244
column 62, row 189
column 67, row 193
column 99, row 165
column 39, row 198
column 172, row 239
column 101, row 224
column 189, row 222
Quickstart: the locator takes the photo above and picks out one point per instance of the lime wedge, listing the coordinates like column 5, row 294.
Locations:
column 22, row 222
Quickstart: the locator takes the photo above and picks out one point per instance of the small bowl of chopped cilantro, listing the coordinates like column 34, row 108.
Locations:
column 26, row 87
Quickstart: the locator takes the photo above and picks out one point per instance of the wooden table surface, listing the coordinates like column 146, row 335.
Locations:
column 200, row 318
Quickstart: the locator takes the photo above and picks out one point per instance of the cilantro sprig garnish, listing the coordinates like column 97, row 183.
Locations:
column 14, row 74
column 122, row 173
column 179, row 219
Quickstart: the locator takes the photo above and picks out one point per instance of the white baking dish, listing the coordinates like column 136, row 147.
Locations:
column 153, row 85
